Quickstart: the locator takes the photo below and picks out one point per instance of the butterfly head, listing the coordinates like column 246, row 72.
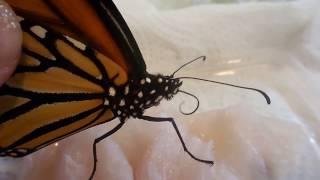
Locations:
column 170, row 87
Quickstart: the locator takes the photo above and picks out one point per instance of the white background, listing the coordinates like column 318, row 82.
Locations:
column 273, row 46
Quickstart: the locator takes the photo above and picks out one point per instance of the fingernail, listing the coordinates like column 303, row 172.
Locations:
column 8, row 20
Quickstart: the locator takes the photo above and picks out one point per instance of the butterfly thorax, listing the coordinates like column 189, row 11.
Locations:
column 134, row 97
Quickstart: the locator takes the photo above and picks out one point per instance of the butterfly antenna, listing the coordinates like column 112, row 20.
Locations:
column 195, row 109
column 198, row 58
column 232, row 85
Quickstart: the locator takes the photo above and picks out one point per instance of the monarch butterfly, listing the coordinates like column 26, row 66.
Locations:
column 62, row 86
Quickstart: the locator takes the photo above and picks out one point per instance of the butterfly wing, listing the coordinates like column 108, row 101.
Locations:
column 58, row 89
column 95, row 22
column 120, row 30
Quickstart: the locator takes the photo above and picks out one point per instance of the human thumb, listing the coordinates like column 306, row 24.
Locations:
column 10, row 41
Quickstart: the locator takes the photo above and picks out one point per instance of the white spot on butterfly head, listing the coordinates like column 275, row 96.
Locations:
column 39, row 31
column 148, row 80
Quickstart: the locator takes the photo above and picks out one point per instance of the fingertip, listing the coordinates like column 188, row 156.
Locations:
column 10, row 41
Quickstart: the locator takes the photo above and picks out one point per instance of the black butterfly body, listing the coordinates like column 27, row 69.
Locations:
column 136, row 96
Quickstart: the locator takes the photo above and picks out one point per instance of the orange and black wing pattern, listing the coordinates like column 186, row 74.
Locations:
column 97, row 23
column 58, row 89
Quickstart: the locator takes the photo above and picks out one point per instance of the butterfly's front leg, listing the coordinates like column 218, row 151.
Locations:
column 97, row 140
column 171, row 120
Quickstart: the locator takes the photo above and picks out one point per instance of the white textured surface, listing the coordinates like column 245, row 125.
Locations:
column 271, row 46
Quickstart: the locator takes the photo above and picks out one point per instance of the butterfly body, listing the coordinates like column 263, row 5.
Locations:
column 131, row 99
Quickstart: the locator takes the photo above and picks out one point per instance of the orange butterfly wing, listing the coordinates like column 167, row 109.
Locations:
column 59, row 87
column 57, row 90
column 95, row 22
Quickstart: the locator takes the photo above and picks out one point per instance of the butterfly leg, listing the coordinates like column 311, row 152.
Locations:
column 171, row 120
column 97, row 140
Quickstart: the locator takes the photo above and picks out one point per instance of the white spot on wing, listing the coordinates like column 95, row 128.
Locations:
column 122, row 102
column 106, row 102
column 22, row 150
column 140, row 94
column 112, row 91
column 99, row 77
column 76, row 43
column 39, row 31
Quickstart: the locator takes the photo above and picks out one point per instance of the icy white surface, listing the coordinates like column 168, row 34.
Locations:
column 270, row 46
